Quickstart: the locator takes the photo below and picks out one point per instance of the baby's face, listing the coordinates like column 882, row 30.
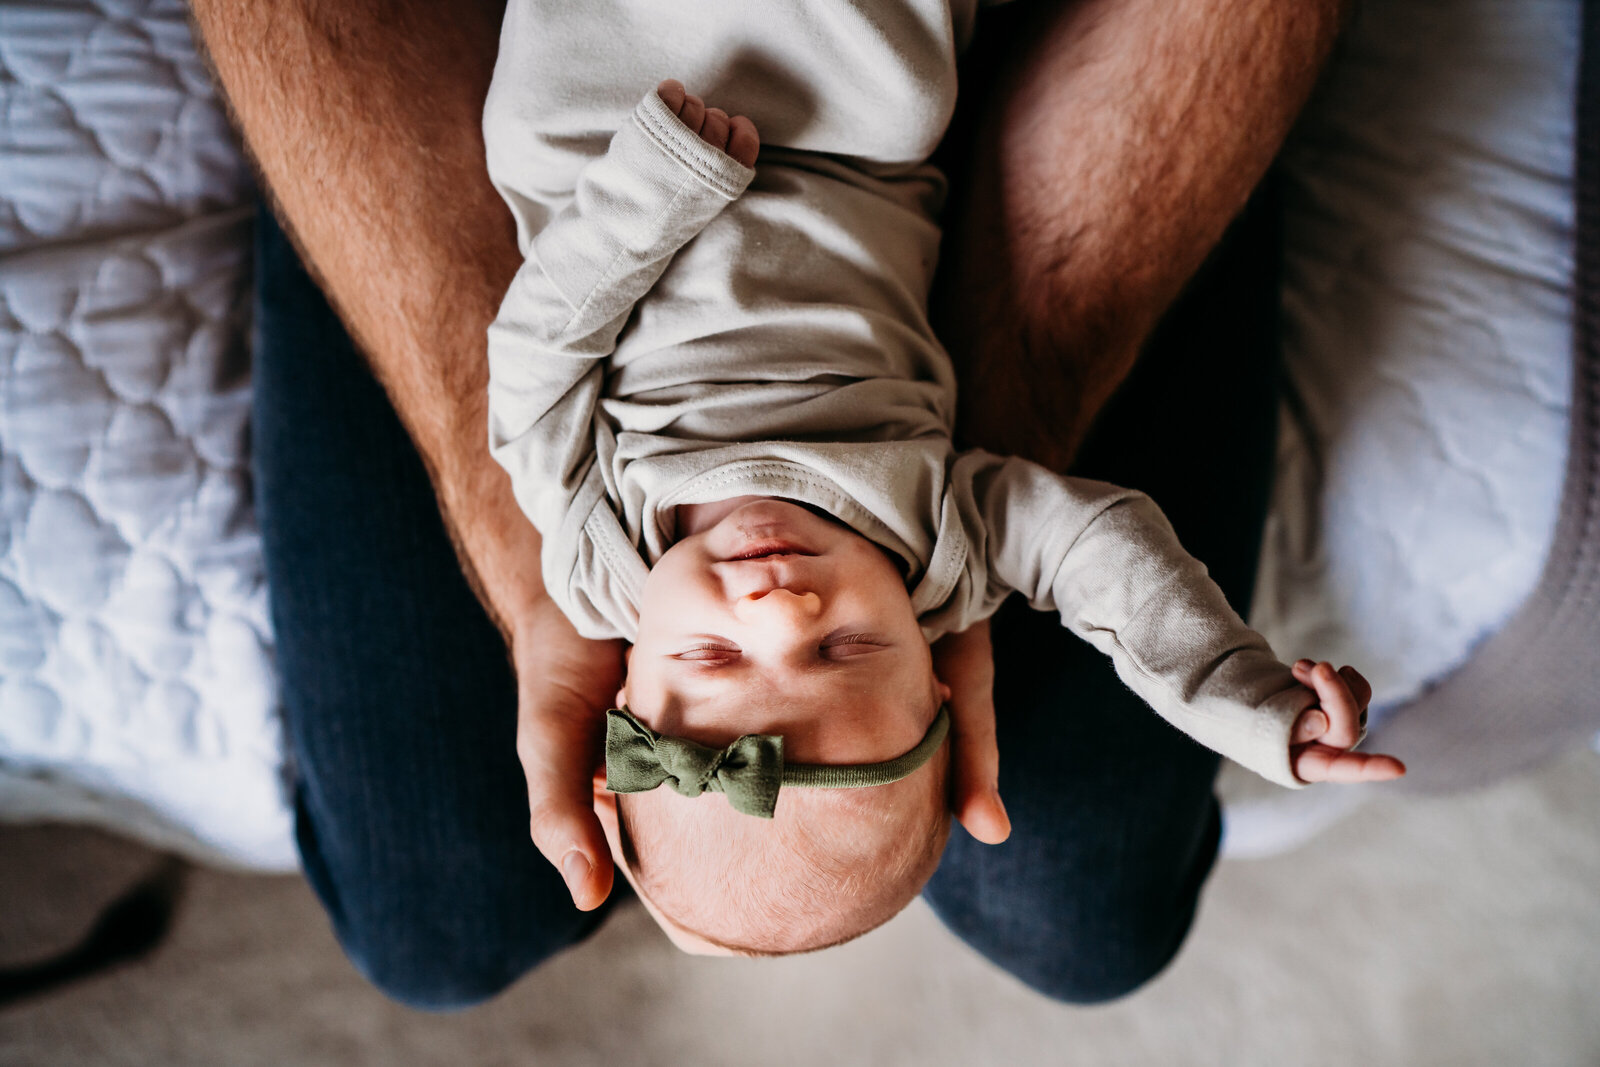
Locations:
column 767, row 618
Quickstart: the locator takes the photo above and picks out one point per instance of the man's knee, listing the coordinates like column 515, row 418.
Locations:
column 1115, row 963
column 440, row 927
column 447, row 982
column 1080, row 932
column 421, row 970
column 436, row 962
column 1090, row 960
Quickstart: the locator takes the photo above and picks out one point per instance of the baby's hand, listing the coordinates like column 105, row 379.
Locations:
column 1320, row 743
column 735, row 135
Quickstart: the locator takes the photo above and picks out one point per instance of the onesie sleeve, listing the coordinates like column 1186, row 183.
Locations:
column 656, row 187
column 1109, row 562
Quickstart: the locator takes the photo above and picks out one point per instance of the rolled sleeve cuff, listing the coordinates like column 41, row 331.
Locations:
column 1267, row 752
column 717, row 170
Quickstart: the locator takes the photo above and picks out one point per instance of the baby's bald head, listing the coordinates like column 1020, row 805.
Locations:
column 830, row 865
column 768, row 617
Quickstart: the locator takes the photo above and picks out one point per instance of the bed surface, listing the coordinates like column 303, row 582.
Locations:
column 136, row 679
column 1428, row 338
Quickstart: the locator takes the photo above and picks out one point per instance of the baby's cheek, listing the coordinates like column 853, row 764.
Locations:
column 641, row 688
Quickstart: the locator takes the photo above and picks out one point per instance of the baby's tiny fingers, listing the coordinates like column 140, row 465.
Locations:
column 672, row 93
column 1319, row 763
column 1360, row 688
column 693, row 113
column 744, row 143
column 1344, row 714
column 1311, row 724
column 714, row 131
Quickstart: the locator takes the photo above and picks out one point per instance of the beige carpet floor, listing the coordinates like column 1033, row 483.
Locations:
column 1459, row 931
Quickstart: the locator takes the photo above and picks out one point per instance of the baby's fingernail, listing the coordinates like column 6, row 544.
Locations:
column 1303, row 664
column 574, row 870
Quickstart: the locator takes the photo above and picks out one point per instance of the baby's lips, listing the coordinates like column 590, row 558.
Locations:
column 767, row 547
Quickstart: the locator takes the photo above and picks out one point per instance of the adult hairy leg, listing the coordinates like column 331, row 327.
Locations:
column 1100, row 149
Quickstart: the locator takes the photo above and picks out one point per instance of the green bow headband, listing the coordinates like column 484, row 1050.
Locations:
column 749, row 771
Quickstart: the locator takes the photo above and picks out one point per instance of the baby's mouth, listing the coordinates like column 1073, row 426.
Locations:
column 768, row 549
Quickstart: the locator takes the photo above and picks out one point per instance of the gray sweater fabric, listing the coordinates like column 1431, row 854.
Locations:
column 686, row 330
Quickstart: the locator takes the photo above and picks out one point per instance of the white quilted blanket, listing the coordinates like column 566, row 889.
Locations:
column 136, row 679
column 1427, row 306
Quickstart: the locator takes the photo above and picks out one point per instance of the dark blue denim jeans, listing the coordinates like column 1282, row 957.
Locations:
column 400, row 702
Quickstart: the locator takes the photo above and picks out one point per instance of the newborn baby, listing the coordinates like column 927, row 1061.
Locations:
column 719, row 400
column 764, row 615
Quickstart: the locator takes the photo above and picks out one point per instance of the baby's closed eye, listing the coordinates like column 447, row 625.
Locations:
column 715, row 651
column 852, row 645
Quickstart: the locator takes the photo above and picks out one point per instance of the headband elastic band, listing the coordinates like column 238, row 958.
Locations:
column 749, row 772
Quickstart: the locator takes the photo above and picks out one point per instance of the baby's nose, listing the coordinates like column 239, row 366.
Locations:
column 777, row 606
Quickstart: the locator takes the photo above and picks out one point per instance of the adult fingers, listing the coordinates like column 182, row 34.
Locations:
column 558, row 742
column 965, row 663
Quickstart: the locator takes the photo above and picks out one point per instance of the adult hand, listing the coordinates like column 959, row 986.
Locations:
column 565, row 683
column 965, row 663
column 1320, row 744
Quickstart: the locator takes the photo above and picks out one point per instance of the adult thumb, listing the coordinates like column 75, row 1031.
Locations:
column 966, row 663
column 558, row 754
column 572, row 840
column 976, row 767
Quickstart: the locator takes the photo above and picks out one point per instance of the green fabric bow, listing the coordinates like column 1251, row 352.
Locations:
column 748, row 772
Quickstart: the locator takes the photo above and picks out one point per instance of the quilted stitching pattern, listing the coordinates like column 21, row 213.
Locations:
column 1428, row 339
column 110, row 123
column 135, row 646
